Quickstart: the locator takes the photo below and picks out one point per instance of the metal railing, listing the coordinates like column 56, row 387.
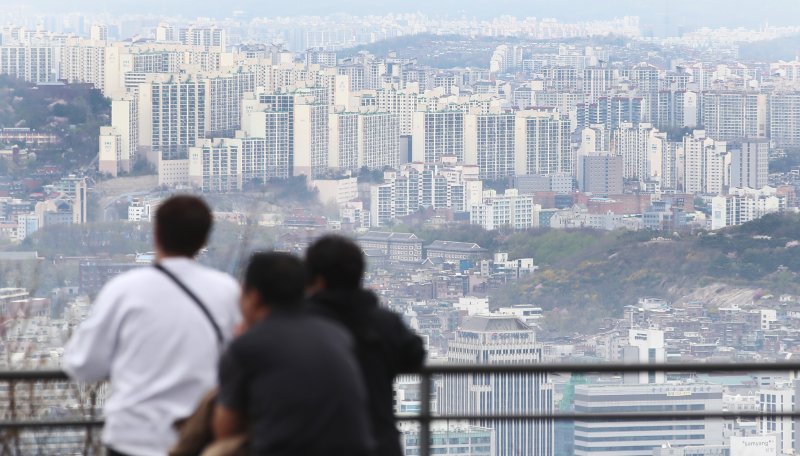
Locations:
column 44, row 413
column 13, row 423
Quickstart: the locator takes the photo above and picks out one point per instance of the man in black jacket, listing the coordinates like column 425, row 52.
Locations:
column 385, row 346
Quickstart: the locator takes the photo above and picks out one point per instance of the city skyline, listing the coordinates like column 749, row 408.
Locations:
column 660, row 17
column 522, row 190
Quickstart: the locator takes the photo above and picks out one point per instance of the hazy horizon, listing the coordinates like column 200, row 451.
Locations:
column 656, row 15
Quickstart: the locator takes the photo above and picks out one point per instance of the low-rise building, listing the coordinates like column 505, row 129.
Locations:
column 402, row 247
column 454, row 251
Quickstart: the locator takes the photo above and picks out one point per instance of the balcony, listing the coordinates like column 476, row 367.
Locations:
column 43, row 412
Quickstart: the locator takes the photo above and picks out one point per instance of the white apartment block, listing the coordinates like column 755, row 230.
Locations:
column 661, row 158
column 790, row 71
column 490, row 144
column 356, row 75
column 110, row 153
column 83, row 61
column 173, row 114
column 750, row 164
column 276, row 128
column 543, row 144
column 215, row 165
column 344, row 152
column 225, row 101
column 363, row 139
column 732, row 116
column 123, row 134
column 208, row 37
column 400, row 102
column 594, row 138
column 165, row 32
column 335, row 88
column 311, row 139
column 379, row 140
column 155, row 61
column 564, row 102
column 642, row 150
column 98, row 32
column 27, row 224
column 227, row 164
column 438, row 134
column 32, row 63
column 704, row 164
column 510, row 210
column 419, row 186
column 784, row 118
column 596, row 82
column 742, row 205
column 296, row 122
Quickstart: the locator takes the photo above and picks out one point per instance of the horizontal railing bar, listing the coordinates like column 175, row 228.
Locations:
column 632, row 416
column 578, row 368
column 35, row 424
column 465, row 369
column 583, row 368
column 33, row 375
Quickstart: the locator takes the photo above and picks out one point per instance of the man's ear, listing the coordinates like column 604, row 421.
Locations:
column 316, row 285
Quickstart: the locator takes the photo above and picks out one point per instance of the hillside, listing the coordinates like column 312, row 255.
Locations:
column 72, row 112
column 587, row 275
column 785, row 48
column 437, row 51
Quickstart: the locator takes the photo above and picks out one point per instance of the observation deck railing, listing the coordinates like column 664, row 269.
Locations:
column 42, row 412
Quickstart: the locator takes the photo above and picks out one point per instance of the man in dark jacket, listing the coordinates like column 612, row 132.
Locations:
column 385, row 346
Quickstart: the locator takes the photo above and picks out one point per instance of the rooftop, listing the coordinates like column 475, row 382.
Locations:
column 492, row 323
column 455, row 246
column 388, row 235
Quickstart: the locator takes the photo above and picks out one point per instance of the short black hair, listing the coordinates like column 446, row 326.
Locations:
column 182, row 225
column 337, row 260
column 280, row 278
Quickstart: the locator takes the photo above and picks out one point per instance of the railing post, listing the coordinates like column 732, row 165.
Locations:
column 89, row 429
column 425, row 414
column 12, row 403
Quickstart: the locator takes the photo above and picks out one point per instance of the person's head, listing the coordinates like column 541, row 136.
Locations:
column 272, row 281
column 182, row 226
column 335, row 263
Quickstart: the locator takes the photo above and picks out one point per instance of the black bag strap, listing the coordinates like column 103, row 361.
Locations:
column 182, row 286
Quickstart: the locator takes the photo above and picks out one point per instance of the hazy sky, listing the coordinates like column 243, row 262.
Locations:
column 653, row 12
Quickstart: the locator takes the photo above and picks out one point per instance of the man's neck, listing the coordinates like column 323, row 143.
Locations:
column 161, row 256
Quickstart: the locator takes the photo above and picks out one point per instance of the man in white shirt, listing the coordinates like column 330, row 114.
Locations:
column 157, row 335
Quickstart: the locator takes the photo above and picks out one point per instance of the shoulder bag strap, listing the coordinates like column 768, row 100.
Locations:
column 203, row 308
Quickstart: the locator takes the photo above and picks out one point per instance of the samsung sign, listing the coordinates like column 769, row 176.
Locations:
column 765, row 445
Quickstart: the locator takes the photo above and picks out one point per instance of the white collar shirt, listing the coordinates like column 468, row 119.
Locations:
column 157, row 348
